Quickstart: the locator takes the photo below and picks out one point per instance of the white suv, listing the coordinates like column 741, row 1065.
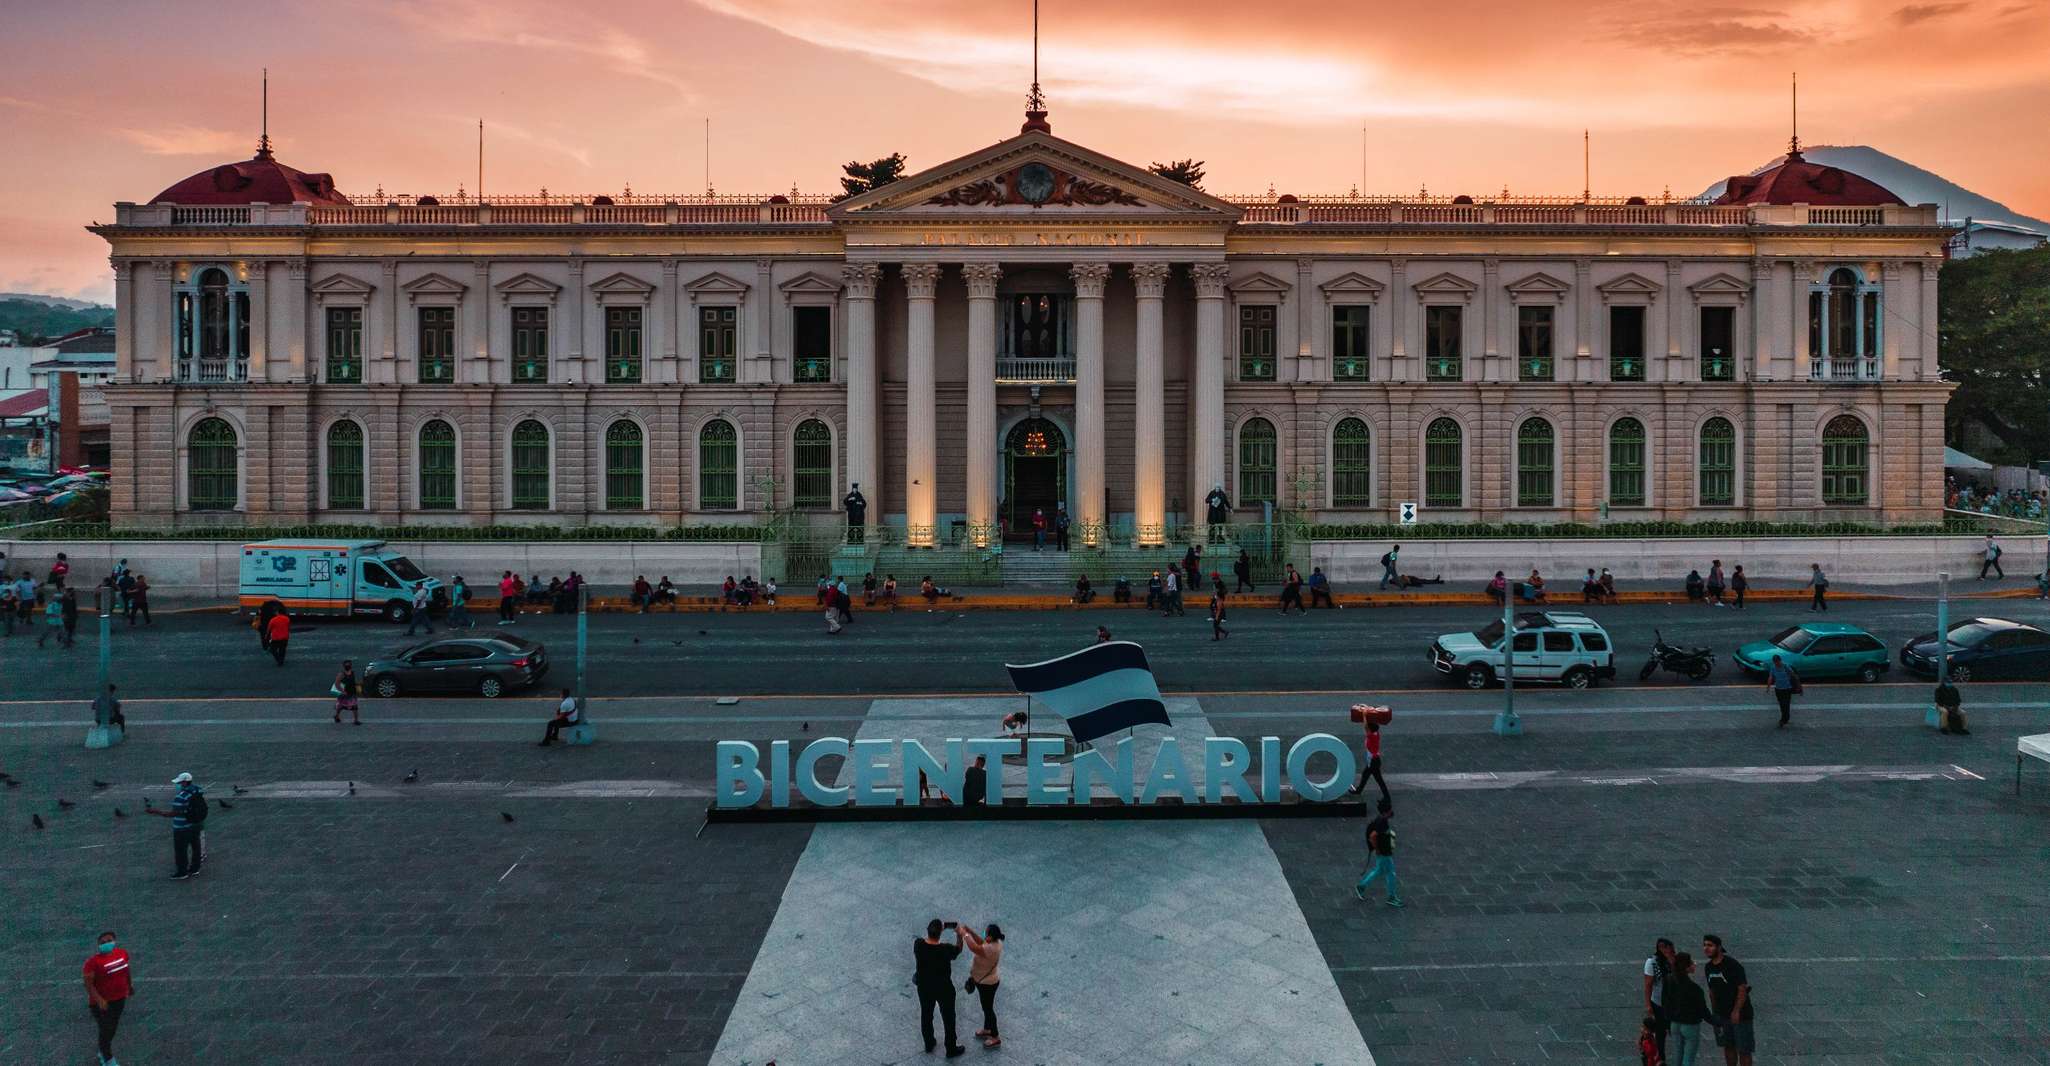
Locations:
column 1562, row 646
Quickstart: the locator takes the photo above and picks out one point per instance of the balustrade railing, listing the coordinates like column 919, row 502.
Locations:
column 209, row 216
column 1036, row 371
column 213, row 371
column 1855, row 369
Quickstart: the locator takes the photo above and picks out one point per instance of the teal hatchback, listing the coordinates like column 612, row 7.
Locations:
column 1819, row 650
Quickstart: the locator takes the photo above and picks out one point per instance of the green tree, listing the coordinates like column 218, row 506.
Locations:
column 1187, row 171
column 1995, row 343
column 862, row 177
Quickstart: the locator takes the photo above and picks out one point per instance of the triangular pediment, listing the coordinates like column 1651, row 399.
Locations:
column 433, row 286
column 1259, row 284
column 716, row 284
column 1028, row 177
column 1538, row 286
column 1720, row 285
column 1446, row 285
column 621, row 284
column 528, row 285
column 811, row 281
column 1629, row 285
column 341, row 285
column 1353, row 283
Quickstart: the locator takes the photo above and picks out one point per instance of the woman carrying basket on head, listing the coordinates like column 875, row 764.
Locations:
column 1370, row 747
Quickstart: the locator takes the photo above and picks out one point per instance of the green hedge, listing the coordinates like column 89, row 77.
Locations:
column 1631, row 530
column 444, row 534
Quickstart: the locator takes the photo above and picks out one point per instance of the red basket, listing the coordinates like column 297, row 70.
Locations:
column 1363, row 713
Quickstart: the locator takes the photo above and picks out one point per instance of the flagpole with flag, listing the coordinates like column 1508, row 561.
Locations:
column 1097, row 691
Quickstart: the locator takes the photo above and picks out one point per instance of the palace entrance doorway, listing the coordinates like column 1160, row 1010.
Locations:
column 1035, row 475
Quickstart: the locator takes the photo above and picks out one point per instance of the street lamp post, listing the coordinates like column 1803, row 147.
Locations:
column 1932, row 716
column 1507, row 724
column 104, row 733
column 583, row 636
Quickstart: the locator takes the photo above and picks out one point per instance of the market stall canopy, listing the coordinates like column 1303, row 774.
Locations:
column 1957, row 460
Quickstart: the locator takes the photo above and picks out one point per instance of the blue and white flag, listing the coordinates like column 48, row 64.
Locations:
column 1099, row 690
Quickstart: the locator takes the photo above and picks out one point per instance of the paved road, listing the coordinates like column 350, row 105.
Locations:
column 201, row 655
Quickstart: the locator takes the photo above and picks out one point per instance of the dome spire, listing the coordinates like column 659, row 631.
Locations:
column 1035, row 101
column 263, row 139
column 1794, row 138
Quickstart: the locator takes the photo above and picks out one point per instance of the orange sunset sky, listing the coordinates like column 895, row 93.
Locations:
column 109, row 101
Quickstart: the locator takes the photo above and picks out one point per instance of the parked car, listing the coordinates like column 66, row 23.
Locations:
column 1985, row 649
column 1818, row 650
column 1566, row 647
column 488, row 666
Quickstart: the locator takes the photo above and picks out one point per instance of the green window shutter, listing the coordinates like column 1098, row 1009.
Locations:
column 718, row 467
column 344, row 345
column 1444, row 465
column 1626, row 463
column 812, row 465
column 1534, row 463
column 718, row 328
column 211, row 476
column 1352, row 465
column 624, row 463
column 345, row 467
column 530, row 467
column 530, row 345
column 1256, row 344
column 622, row 345
column 1256, row 462
column 1844, row 462
column 437, row 345
column 1718, row 463
column 437, row 466
column 1534, row 344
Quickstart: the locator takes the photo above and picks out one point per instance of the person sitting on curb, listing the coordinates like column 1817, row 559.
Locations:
column 930, row 591
column 1697, row 589
column 769, row 591
column 1608, row 583
column 1950, row 715
column 1591, row 588
column 643, row 593
column 665, row 591
column 1320, row 588
column 890, row 592
column 1498, row 588
column 568, row 713
column 1534, row 588
column 1083, row 592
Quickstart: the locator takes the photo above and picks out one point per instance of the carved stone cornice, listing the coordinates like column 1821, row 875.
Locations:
column 982, row 279
column 1151, row 279
column 921, row 280
column 860, row 279
column 1210, row 279
column 1089, row 279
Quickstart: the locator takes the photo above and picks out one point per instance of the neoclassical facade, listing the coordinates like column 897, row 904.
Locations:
column 1030, row 325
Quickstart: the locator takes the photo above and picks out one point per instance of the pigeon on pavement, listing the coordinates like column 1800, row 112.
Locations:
column 98, row 784
column 64, row 804
column 38, row 819
column 412, row 778
column 119, row 813
column 505, row 816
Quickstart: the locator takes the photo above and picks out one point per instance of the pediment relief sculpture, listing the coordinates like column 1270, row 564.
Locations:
column 1035, row 185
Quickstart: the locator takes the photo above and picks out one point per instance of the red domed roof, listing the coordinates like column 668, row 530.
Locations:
column 261, row 180
column 1797, row 181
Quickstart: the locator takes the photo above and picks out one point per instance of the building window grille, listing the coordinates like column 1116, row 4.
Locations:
column 344, row 345
column 345, row 467
column 718, row 343
column 211, row 466
column 1352, row 464
column 1256, row 462
column 624, row 466
column 437, row 466
column 622, row 345
column 718, row 467
column 1443, row 326
column 1444, row 465
column 1626, row 463
column 1534, row 463
column 1844, row 457
column 530, row 467
column 812, row 465
column 1256, row 343
column 1718, row 463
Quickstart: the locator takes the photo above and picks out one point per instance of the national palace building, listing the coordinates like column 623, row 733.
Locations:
column 1030, row 325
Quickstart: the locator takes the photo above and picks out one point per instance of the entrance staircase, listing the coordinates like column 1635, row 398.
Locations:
column 1024, row 568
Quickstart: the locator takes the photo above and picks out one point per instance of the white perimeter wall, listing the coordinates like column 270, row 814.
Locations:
column 212, row 568
column 1855, row 560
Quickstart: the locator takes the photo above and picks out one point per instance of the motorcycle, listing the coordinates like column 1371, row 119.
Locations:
column 1695, row 663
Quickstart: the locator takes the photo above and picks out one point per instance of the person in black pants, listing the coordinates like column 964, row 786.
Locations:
column 933, row 974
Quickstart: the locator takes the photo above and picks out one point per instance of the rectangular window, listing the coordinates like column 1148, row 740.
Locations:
column 1534, row 343
column 530, row 345
column 811, row 344
column 622, row 345
column 1349, row 342
column 344, row 345
column 717, row 332
column 1256, row 343
column 437, row 345
column 1718, row 343
column 1443, row 326
column 1626, row 344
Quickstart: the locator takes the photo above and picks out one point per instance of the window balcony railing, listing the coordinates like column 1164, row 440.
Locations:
column 214, row 371
column 1854, row 369
column 1036, row 371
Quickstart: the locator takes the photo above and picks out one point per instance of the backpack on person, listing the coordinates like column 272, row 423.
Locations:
column 1387, row 558
column 195, row 809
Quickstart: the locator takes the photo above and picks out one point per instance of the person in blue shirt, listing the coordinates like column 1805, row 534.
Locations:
column 188, row 821
column 1784, row 683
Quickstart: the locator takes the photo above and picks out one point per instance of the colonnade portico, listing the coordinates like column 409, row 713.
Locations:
column 1088, row 499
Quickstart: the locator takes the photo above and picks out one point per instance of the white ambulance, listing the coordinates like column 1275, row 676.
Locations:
column 333, row 577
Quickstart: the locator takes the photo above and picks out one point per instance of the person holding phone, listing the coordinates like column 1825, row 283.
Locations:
column 988, row 950
column 933, row 975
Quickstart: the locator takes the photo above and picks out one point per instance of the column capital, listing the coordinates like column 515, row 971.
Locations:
column 860, row 279
column 669, row 268
column 123, row 268
column 921, row 279
column 1210, row 280
column 1761, row 268
column 1930, row 267
column 295, row 269
column 1151, row 279
column 1089, row 279
column 576, row 267
column 982, row 279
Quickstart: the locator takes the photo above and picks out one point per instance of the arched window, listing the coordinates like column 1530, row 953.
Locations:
column 345, row 466
column 623, row 466
column 213, row 328
column 210, row 465
column 1352, row 464
column 1626, row 463
column 1844, row 457
column 1843, row 328
column 1444, row 465
column 530, row 466
column 811, row 464
column 718, row 466
column 1534, row 463
column 1718, row 463
column 1256, row 462
column 437, row 466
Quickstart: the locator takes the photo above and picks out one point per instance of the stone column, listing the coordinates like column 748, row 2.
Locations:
column 571, row 330
column 1761, row 319
column 1583, row 319
column 667, row 325
column 1932, row 366
column 1890, row 352
column 477, row 308
column 921, row 457
column 763, row 362
column 863, row 418
column 982, row 398
column 258, row 355
column 388, row 327
column 1676, row 325
column 1149, row 398
column 1207, row 443
column 1491, row 346
column 125, row 366
column 295, row 323
column 1090, row 514
column 1307, row 322
column 1398, row 321
column 1797, row 316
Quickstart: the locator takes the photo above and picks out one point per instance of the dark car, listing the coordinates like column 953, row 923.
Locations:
column 488, row 666
column 1985, row 649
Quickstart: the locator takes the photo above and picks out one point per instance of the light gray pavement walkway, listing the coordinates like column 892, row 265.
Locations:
column 1143, row 944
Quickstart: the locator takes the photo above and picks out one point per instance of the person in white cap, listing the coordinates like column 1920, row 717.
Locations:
column 188, row 820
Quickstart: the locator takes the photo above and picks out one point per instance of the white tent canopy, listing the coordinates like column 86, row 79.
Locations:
column 1957, row 460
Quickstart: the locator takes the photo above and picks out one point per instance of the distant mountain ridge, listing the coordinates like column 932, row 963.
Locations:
column 40, row 318
column 55, row 301
column 1909, row 182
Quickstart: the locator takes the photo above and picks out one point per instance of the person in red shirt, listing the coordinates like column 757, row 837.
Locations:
column 1371, row 748
column 279, row 630
column 107, row 988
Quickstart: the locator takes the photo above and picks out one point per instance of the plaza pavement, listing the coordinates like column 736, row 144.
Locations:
column 1884, row 917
